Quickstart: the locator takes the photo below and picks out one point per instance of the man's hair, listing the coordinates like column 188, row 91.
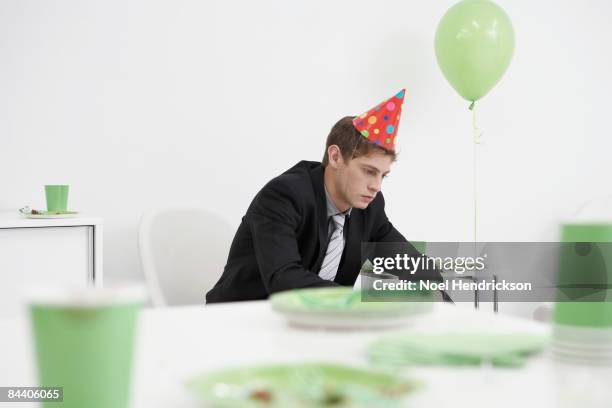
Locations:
column 351, row 143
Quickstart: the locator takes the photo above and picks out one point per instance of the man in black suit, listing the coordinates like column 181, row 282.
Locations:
column 305, row 227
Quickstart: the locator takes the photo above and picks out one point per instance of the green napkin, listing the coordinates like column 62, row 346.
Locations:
column 455, row 349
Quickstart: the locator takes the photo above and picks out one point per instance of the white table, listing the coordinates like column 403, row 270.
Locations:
column 176, row 343
column 36, row 252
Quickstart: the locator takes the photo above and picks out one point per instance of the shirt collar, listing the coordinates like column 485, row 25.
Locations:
column 331, row 207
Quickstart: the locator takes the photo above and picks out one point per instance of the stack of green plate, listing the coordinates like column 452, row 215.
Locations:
column 341, row 307
column 452, row 349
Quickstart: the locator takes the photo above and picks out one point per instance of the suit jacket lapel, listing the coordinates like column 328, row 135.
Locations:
column 316, row 175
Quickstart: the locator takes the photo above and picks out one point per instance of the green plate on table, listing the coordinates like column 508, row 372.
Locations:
column 342, row 308
column 52, row 214
column 302, row 385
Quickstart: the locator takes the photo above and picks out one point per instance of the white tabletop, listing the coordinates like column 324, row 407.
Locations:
column 14, row 219
column 177, row 343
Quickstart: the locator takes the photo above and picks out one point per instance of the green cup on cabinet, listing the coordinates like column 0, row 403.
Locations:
column 57, row 197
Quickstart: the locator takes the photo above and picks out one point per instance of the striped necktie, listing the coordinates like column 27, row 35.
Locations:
column 330, row 264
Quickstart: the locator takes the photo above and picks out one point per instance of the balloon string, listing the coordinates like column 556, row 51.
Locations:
column 477, row 133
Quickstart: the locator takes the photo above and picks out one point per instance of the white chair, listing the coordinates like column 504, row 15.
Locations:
column 183, row 252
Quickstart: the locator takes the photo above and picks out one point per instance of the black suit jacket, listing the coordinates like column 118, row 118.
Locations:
column 281, row 241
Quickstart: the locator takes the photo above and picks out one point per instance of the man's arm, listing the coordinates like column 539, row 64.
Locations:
column 385, row 232
column 274, row 221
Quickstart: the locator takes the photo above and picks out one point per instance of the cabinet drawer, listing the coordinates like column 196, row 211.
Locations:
column 42, row 256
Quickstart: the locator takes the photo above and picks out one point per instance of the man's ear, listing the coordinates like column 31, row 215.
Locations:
column 334, row 156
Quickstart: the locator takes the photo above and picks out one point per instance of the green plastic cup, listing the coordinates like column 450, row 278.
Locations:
column 84, row 343
column 57, row 197
column 590, row 264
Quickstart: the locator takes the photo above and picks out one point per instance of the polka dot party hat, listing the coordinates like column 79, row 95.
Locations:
column 379, row 124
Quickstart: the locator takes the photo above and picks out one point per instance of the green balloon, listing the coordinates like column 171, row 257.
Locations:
column 474, row 45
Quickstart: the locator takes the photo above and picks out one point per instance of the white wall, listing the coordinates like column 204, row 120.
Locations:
column 138, row 104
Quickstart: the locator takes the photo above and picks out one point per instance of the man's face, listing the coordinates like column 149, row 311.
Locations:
column 357, row 181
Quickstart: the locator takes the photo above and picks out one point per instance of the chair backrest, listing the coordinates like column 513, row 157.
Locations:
column 183, row 252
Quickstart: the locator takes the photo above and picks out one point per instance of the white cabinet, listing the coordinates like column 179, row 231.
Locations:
column 41, row 252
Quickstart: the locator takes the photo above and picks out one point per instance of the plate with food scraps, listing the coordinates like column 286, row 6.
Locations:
column 343, row 308
column 31, row 213
column 302, row 385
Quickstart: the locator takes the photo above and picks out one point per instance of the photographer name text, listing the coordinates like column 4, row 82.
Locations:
column 454, row 284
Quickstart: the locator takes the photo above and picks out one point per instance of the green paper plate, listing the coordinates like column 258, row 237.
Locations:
column 341, row 307
column 343, row 300
column 53, row 214
column 302, row 385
